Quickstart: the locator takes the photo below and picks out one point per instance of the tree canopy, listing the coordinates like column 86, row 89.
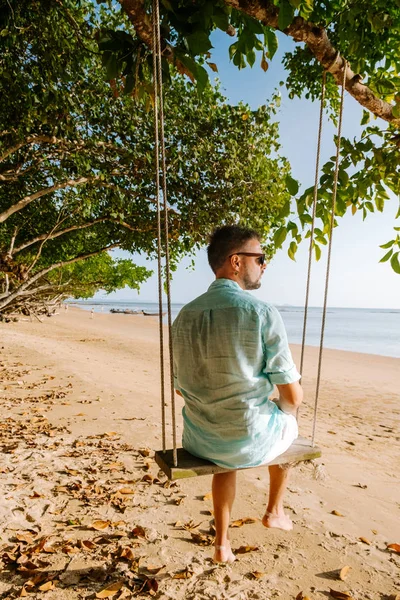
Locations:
column 363, row 35
column 77, row 161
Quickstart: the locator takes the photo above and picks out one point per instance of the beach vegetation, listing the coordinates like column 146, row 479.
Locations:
column 77, row 168
column 363, row 35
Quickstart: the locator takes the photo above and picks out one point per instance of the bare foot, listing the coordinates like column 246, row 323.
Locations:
column 224, row 554
column 281, row 521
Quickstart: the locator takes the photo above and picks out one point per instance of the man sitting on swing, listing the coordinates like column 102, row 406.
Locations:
column 230, row 349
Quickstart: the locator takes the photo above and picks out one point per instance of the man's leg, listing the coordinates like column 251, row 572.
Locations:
column 275, row 515
column 223, row 491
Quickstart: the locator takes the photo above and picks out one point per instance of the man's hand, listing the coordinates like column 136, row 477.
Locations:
column 290, row 397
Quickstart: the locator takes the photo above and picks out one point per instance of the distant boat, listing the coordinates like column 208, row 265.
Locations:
column 125, row 311
column 153, row 314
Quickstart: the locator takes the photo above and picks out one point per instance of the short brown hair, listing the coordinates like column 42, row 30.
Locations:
column 225, row 240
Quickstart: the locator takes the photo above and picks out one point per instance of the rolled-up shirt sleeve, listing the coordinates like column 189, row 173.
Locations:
column 279, row 366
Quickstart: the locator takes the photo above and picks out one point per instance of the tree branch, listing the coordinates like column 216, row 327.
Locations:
column 51, row 139
column 28, row 199
column 47, row 236
column 52, row 236
column 24, row 286
column 34, row 139
column 314, row 36
column 140, row 19
column 317, row 40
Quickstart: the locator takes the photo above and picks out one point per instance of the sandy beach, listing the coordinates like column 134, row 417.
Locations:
column 85, row 513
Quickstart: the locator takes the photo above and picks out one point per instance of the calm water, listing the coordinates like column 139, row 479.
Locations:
column 373, row 331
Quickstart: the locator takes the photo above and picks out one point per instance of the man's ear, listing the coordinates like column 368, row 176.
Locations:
column 235, row 262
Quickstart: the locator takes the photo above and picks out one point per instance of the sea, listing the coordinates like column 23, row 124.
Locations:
column 370, row 331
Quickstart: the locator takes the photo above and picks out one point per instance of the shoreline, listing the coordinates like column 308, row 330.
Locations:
column 83, row 398
column 328, row 343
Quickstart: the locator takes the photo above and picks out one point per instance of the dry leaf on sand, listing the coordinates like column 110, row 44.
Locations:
column 144, row 451
column 394, row 548
column 337, row 513
column 300, row 596
column 340, row 595
column 110, row 590
column 245, row 549
column 25, row 537
column 344, row 572
column 244, row 521
column 185, row 574
column 147, row 478
column 189, row 526
column 179, row 500
column 127, row 553
column 153, row 570
column 87, row 545
column 99, row 525
column 202, row 539
column 255, row 574
column 207, row 496
column 364, row 540
column 126, row 490
column 49, row 585
column 139, row 531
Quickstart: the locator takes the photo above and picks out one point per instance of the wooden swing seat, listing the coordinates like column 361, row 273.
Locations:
column 192, row 466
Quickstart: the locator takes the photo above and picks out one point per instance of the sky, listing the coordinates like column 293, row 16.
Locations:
column 357, row 279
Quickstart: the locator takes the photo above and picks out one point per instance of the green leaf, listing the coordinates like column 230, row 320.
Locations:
column 379, row 202
column 366, row 117
column 394, row 261
column 396, row 111
column 286, row 14
column 271, row 42
column 254, row 25
column 220, row 18
column 387, row 256
column 285, row 210
column 280, row 236
column 199, row 43
column 306, row 8
column 201, row 78
column 387, row 245
column 317, row 251
column 239, row 61
column 343, row 177
column 292, row 185
column 129, row 83
column 111, row 65
column 232, row 50
column 292, row 250
column 251, row 57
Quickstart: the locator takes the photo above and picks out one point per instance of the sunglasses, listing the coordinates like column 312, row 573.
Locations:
column 260, row 257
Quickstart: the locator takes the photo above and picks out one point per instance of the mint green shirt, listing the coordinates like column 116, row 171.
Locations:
column 229, row 350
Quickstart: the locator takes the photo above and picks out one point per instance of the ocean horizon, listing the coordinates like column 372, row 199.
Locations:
column 365, row 330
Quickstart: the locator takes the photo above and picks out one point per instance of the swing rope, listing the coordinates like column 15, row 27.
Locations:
column 315, row 198
column 159, row 252
column 160, row 144
column 328, row 266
